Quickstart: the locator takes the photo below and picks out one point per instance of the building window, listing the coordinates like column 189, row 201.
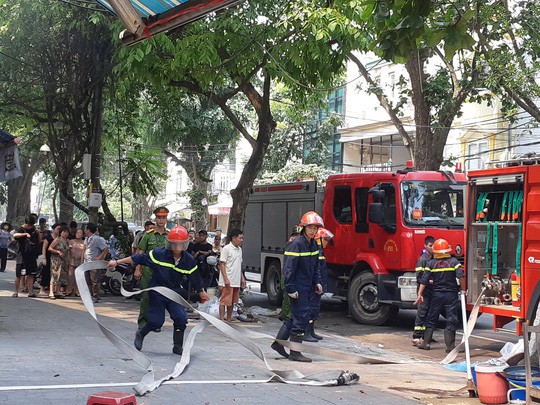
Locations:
column 477, row 154
column 335, row 147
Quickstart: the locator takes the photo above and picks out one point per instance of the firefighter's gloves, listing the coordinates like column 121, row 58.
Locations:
column 318, row 289
column 293, row 295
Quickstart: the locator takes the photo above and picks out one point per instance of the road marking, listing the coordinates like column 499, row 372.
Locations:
column 104, row 385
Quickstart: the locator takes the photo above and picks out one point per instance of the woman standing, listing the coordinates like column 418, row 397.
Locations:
column 5, row 238
column 59, row 262
column 76, row 257
column 48, row 238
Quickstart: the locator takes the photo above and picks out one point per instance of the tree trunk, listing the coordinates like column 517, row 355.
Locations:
column 425, row 157
column 66, row 207
column 240, row 194
column 18, row 205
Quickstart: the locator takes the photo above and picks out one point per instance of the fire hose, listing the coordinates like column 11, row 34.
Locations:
column 149, row 382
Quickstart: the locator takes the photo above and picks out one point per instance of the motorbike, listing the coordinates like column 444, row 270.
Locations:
column 115, row 278
column 13, row 249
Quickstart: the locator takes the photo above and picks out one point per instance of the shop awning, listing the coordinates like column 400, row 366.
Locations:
column 145, row 18
column 219, row 209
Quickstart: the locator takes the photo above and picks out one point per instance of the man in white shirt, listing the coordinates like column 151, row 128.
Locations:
column 230, row 273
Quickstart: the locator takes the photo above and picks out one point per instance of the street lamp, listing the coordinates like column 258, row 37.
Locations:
column 44, row 149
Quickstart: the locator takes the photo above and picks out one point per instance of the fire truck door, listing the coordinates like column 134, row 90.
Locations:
column 383, row 239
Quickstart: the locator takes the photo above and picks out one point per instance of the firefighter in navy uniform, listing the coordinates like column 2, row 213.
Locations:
column 170, row 267
column 323, row 236
column 423, row 307
column 443, row 270
column 302, row 276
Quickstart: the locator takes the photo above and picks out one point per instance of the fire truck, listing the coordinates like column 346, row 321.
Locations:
column 503, row 241
column 380, row 221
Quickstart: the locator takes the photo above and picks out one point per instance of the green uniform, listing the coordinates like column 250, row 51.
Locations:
column 151, row 240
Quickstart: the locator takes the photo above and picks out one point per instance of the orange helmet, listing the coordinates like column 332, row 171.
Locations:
column 311, row 218
column 441, row 246
column 178, row 234
column 324, row 233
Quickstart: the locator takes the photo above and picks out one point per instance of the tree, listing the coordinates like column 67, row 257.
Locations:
column 413, row 33
column 194, row 134
column 238, row 53
column 511, row 49
column 57, row 81
column 58, row 85
column 296, row 128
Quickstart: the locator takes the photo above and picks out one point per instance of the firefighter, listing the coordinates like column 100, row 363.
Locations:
column 169, row 266
column 302, row 276
column 423, row 307
column 443, row 270
column 322, row 237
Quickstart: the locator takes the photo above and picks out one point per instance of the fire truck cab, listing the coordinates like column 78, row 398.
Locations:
column 380, row 221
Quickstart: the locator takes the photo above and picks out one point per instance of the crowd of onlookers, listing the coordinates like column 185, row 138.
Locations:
column 49, row 255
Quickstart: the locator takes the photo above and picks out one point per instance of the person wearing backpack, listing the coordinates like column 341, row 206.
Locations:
column 443, row 270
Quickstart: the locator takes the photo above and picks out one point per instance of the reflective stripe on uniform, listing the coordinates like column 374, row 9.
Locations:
column 301, row 254
column 445, row 269
column 172, row 266
column 419, row 328
column 322, row 258
column 419, row 268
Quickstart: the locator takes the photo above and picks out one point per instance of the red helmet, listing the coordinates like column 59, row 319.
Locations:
column 441, row 246
column 324, row 233
column 311, row 218
column 178, row 234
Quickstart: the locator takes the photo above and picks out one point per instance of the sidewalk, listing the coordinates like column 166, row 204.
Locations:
column 56, row 347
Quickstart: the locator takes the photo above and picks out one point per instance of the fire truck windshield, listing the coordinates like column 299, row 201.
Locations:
column 433, row 203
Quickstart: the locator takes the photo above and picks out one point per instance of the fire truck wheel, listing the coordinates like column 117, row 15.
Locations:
column 364, row 302
column 273, row 283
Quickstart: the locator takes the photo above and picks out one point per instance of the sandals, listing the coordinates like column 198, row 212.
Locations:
column 32, row 295
column 15, row 295
column 52, row 297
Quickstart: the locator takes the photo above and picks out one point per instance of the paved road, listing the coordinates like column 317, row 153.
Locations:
column 53, row 353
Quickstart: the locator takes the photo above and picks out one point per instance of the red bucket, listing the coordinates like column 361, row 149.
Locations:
column 491, row 383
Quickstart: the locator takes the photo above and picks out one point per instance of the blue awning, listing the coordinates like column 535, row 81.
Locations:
column 145, row 18
column 149, row 8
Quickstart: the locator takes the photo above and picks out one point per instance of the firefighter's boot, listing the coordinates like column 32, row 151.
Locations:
column 178, row 341
column 449, row 340
column 428, row 334
column 283, row 334
column 139, row 337
column 312, row 330
column 297, row 356
column 308, row 337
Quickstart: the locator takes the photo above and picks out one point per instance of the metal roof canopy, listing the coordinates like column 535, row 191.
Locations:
column 145, row 18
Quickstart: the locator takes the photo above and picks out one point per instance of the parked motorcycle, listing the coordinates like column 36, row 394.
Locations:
column 122, row 274
column 13, row 249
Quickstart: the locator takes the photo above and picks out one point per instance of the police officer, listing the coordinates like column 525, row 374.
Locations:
column 423, row 307
column 169, row 267
column 153, row 238
column 443, row 270
column 302, row 276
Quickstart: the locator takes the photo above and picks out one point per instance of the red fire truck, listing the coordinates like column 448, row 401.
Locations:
column 379, row 220
column 503, row 241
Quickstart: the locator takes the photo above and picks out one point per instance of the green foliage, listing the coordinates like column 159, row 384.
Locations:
column 296, row 172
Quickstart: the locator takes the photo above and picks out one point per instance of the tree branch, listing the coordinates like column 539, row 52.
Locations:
column 384, row 103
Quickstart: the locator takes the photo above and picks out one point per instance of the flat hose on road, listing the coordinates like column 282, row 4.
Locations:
column 149, row 383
